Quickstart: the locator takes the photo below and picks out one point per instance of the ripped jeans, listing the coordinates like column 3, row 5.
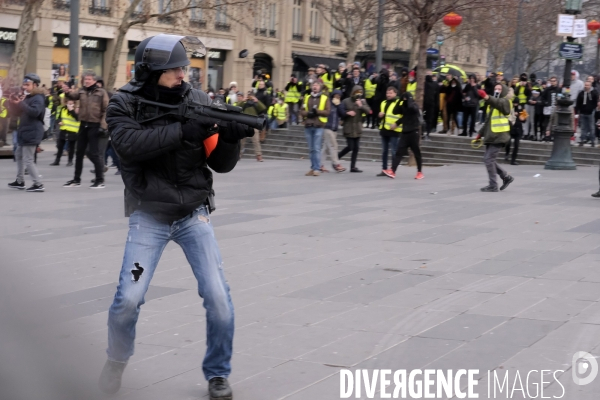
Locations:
column 146, row 241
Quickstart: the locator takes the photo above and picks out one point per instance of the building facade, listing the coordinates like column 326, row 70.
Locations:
column 282, row 37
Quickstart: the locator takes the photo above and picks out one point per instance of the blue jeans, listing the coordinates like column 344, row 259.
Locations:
column 146, row 241
column 314, row 137
column 586, row 122
column 388, row 143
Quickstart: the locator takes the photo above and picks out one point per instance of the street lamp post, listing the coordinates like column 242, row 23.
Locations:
column 74, row 40
column 440, row 41
column 562, row 158
column 379, row 52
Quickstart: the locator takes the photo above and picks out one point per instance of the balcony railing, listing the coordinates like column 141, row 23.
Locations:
column 61, row 5
column 272, row 33
column 99, row 10
column 198, row 22
column 368, row 47
column 222, row 26
column 16, row 2
column 297, row 36
column 315, row 39
column 166, row 19
column 335, row 42
column 260, row 32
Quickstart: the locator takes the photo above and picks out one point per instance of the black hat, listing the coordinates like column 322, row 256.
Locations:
column 532, row 76
column 293, row 76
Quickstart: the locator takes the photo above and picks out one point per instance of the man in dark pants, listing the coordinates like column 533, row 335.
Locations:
column 409, row 138
column 496, row 132
column 93, row 101
column 389, row 115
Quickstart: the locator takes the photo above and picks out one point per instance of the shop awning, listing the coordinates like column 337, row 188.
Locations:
column 312, row 60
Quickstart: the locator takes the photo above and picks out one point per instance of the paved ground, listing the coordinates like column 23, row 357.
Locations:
column 337, row 271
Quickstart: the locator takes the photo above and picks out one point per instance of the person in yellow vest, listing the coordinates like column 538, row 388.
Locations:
column 293, row 98
column 411, row 87
column 326, row 76
column 370, row 89
column 68, row 120
column 389, row 114
column 231, row 97
column 280, row 114
column 3, row 119
column 496, row 134
column 315, row 110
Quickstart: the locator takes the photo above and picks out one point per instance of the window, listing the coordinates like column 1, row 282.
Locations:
column 196, row 13
column 221, row 15
column 138, row 10
column 273, row 16
column 314, row 21
column 98, row 3
column 164, row 6
column 297, row 18
column 266, row 19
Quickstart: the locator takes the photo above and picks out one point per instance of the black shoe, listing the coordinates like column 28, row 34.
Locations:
column 355, row 170
column 219, row 389
column 118, row 172
column 506, row 181
column 463, row 134
column 110, row 378
column 55, row 163
column 70, row 164
column 489, row 189
column 17, row 185
column 381, row 174
column 514, row 163
column 36, row 187
column 72, row 183
column 97, row 185
column 597, row 194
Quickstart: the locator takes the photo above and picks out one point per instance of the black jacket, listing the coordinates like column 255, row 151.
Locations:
column 590, row 104
column 349, row 85
column 410, row 113
column 431, row 99
column 30, row 112
column 453, row 97
column 382, row 81
column 549, row 95
column 517, row 129
column 163, row 175
column 470, row 91
column 264, row 97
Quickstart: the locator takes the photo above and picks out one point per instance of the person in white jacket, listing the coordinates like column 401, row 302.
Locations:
column 576, row 85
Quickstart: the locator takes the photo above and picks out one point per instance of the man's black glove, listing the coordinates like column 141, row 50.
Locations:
column 312, row 113
column 194, row 131
column 235, row 132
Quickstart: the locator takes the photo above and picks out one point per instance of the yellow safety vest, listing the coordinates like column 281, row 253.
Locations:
column 280, row 111
column 322, row 106
column 292, row 95
column 4, row 112
column 50, row 103
column 327, row 82
column 270, row 111
column 521, row 95
column 390, row 117
column 412, row 88
column 499, row 122
column 369, row 89
column 70, row 124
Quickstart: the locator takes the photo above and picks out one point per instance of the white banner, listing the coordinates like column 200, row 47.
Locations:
column 580, row 28
column 565, row 25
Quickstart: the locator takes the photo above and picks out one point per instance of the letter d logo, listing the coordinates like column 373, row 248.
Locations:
column 582, row 361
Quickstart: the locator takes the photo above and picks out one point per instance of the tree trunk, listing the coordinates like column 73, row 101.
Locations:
column 423, row 41
column 351, row 47
column 414, row 51
column 121, row 32
column 23, row 42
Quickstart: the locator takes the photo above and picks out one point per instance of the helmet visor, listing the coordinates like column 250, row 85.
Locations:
column 159, row 48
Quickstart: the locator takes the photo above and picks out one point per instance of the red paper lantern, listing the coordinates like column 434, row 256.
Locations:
column 593, row 26
column 452, row 20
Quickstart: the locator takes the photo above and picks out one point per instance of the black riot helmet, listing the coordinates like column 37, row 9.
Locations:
column 162, row 52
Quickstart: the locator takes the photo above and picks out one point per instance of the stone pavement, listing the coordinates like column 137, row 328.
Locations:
column 330, row 272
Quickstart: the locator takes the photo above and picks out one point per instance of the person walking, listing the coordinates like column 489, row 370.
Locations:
column 354, row 108
column 330, row 133
column 93, row 101
column 585, row 108
column 68, row 121
column 315, row 110
column 409, row 138
column 166, row 169
column 389, row 114
column 516, row 134
column 496, row 133
column 30, row 109
column 470, row 106
column 252, row 106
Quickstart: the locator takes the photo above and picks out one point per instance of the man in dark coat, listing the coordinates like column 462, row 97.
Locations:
column 30, row 109
column 431, row 104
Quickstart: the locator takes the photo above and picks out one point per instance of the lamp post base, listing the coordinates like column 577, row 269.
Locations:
column 562, row 158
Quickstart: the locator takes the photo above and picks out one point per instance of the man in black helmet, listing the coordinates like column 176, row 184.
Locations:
column 166, row 167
